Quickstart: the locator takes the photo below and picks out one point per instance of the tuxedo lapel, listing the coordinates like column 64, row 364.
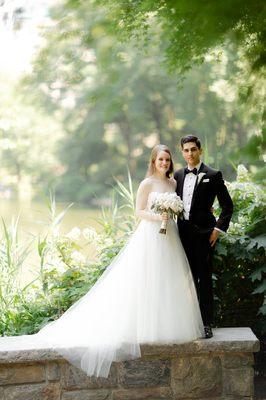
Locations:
column 203, row 169
column 179, row 177
column 182, row 180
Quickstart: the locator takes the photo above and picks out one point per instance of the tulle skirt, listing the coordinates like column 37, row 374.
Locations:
column 146, row 295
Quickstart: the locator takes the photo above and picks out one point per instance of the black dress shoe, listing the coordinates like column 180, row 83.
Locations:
column 208, row 332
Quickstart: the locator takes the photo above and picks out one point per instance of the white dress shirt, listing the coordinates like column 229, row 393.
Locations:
column 188, row 189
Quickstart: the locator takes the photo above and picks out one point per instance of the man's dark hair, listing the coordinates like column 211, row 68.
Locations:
column 190, row 138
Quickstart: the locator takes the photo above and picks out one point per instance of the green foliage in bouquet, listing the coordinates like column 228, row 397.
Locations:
column 239, row 265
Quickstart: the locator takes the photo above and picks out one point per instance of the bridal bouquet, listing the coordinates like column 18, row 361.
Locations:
column 167, row 202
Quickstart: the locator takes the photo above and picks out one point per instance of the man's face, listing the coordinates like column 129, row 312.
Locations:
column 191, row 153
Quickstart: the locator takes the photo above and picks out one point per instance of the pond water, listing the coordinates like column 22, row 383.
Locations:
column 34, row 220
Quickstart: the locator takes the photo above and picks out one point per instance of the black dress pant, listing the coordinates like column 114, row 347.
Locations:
column 199, row 253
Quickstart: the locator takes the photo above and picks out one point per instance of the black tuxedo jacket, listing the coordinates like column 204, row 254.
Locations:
column 210, row 186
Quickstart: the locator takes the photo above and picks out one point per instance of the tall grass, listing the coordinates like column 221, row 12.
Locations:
column 12, row 257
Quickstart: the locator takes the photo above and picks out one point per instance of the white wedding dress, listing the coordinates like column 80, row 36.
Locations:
column 146, row 295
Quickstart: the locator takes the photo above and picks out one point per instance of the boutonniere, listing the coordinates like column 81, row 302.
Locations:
column 200, row 176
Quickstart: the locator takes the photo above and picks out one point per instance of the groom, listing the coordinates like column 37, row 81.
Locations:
column 198, row 185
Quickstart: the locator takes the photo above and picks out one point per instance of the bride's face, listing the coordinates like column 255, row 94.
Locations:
column 162, row 162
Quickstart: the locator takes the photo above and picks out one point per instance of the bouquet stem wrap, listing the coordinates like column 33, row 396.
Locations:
column 163, row 227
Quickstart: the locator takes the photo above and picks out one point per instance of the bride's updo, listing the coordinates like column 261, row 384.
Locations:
column 154, row 153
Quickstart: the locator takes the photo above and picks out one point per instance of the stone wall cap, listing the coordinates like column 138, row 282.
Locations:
column 19, row 349
column 232, row 340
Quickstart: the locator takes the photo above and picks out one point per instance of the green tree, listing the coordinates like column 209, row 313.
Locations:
column 115, row 103
column 191, row 28
column 28, row 138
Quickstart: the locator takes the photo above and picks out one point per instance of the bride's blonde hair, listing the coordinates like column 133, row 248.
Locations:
column 154, row 153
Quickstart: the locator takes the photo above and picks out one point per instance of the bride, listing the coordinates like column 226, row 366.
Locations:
column 146, row 295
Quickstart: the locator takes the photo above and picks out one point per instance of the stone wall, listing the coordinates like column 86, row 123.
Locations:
column 213, row 369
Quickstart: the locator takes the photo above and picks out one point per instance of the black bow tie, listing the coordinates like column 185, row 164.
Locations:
column 188, row 171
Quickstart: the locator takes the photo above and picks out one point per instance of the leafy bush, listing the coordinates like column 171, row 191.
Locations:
column 239, row 264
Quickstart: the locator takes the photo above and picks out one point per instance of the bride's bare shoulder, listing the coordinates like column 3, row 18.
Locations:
column 146, row 184
column 172, row 182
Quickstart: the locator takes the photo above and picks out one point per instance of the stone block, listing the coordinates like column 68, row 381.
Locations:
column 221, row 397
column 238, row 381
column 52, row 391
column 144, row 373
column 25, row 392
column 143, row 394
column 53, row 371
column 237, row 360
column 87, row 395
column 19, row 373
column 74, row 378
column 196, row 377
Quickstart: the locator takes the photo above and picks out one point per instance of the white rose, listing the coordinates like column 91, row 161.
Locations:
column 167, row 204
column 175, row 208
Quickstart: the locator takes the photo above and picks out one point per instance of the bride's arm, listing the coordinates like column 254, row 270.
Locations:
column 141, row 203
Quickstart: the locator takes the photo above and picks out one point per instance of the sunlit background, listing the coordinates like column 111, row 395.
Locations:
column 87, row 88
column 79, row 108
